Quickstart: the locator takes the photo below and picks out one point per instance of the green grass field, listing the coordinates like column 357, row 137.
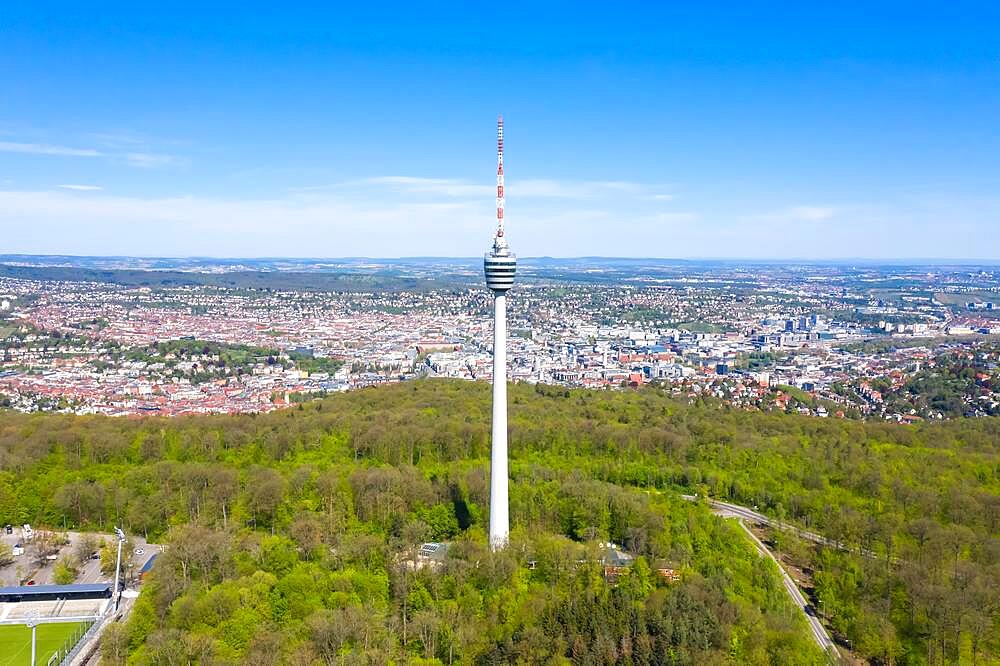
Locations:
column 15, row 641
column 962, row 299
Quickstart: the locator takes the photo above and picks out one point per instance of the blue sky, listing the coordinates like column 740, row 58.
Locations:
column 772, row 130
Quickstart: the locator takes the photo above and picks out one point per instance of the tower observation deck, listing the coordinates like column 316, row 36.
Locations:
column 500, row 269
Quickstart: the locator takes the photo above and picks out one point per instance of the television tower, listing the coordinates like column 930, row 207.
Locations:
column 499, row 265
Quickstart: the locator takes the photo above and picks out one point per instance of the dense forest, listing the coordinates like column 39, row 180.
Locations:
column 292, row 536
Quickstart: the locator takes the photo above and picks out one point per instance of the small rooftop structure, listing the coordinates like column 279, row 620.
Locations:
column 613, row 556
column 430, row 554
column 433, row 551
column 147, row 566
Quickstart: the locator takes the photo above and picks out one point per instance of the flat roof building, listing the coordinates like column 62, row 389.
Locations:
column 53, row 592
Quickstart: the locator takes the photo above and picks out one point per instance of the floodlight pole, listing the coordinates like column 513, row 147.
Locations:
column 32, row 622
column 118, row 564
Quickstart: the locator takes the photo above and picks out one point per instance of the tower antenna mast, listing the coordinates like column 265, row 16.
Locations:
column 500, row 194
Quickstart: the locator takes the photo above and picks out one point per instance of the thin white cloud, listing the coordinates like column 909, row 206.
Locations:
column 355, row 223
column 206, row 216
column 118, row 139
column 618, row 185
column 548, row 189
column 799, row 213
column 527, row 188
column 82, row 188
column 47, row 149
column 149, row 160
column 132, row 158
column 670, row 218
column 575, row 189
column 315, row 223
column 450, row 187
column 812, row 213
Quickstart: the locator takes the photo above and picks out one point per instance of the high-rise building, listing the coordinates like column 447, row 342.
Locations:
column 500, row 265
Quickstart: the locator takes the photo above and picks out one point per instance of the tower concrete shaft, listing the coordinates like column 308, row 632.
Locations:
column 499, row 502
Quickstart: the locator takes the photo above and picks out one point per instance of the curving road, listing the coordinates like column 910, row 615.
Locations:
column 727, row 510
column 817, row 629
column 741, row 514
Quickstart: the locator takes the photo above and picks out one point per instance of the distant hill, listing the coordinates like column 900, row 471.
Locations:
column 281, row 280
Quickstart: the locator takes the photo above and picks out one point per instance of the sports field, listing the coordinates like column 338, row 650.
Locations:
column 15, row 641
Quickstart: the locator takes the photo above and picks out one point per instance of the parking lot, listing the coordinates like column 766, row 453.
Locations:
column 29, row 566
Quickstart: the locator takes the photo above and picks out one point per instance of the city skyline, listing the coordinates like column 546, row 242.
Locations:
column 788, row 133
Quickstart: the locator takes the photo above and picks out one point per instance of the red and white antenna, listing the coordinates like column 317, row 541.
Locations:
column 500, row 176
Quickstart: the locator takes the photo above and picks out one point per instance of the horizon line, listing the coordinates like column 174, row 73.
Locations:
column 966, row 261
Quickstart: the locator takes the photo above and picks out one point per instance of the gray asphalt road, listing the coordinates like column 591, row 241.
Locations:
column 815, row 626
column 728, row 510
column 742, row 514
column 737, row 511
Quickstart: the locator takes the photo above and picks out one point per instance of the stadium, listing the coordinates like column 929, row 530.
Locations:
column 63, row 618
